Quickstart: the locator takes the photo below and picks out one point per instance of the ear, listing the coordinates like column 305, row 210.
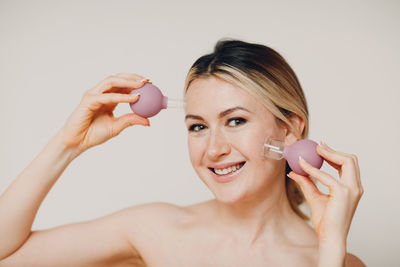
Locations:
column 294, row 134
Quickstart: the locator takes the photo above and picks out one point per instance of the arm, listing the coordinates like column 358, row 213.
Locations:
column 27, row 192
column 101, row 242
column 332, row 214
column 91, row 123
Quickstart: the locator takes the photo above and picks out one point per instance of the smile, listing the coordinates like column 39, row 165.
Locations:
column 228, row 170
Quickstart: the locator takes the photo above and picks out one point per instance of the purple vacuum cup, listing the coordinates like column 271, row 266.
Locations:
column 304, row 148
column 150, row 102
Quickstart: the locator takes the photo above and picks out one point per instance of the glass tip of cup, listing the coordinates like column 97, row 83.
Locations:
column 273, row 148
column 176, row 103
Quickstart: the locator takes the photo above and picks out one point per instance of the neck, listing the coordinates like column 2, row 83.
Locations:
column 266, row 215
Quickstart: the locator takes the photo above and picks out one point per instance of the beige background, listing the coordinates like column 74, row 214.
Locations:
column 345, row 54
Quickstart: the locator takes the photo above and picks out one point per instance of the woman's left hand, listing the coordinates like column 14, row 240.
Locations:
column 331, row 215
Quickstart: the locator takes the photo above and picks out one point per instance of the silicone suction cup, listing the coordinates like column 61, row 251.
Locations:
column 150, row 102
column 305, row 148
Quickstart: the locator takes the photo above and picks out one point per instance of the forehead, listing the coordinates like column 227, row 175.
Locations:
column 214, row 94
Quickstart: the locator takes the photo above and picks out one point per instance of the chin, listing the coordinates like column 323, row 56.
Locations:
column 229, row 194
column 227, row 198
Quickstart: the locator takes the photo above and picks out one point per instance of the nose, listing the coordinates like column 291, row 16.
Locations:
column 218, row 146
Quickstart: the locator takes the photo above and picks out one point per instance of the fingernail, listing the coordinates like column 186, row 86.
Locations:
column 146, row 123
column 321, row 144
column 143, row 80
column 135, row 95
column 301, row 159
column 142, row 123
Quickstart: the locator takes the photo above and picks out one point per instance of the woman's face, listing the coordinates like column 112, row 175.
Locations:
column 226, row 131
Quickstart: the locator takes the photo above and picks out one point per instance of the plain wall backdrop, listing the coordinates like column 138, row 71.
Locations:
column 345, row 54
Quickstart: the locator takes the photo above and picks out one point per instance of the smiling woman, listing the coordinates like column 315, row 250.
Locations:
column 266, row 76
column 235, row 98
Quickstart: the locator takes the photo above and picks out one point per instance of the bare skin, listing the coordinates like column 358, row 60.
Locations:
column 249, row 223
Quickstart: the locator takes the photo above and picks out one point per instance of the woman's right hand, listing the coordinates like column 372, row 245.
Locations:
column 93, row 121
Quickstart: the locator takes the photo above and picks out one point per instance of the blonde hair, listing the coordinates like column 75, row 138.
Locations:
column 264, row 74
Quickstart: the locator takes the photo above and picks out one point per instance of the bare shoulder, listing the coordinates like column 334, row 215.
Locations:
column 352, row 260
column 151, row 212
column 157, row 218
column 152, row 228
column 166, row 212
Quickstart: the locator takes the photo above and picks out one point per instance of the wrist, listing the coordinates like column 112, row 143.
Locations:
column 335, row 244
column 331, row 253
column 66, row 151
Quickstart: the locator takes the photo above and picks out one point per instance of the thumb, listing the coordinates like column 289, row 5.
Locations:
column 307, row 186
column 127, row 120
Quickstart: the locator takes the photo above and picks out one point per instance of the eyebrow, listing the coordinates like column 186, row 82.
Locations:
column 220, row 115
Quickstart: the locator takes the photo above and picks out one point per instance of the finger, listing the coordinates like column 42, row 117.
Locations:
column 134, row 77
column 96, row 102
column 117, row 82
column 308, row 188
column 348, row 163
column 334, row 165
column 317, row 174
column 131, row 76
column 113, row 98
column 334, row 156
column 127, row 120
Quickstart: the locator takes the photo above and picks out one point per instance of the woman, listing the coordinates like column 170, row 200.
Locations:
column 235, row 98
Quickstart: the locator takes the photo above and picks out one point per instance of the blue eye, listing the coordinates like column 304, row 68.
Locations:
column 196, row 127
column 236, row 122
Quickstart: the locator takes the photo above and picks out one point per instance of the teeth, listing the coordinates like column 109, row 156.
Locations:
column 228, row 170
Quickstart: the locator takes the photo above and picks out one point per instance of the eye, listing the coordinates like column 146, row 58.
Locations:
column 236, row 122
column 196, row 127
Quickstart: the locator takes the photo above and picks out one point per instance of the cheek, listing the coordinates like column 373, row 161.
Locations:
column 195, row 148
column 249, row 143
